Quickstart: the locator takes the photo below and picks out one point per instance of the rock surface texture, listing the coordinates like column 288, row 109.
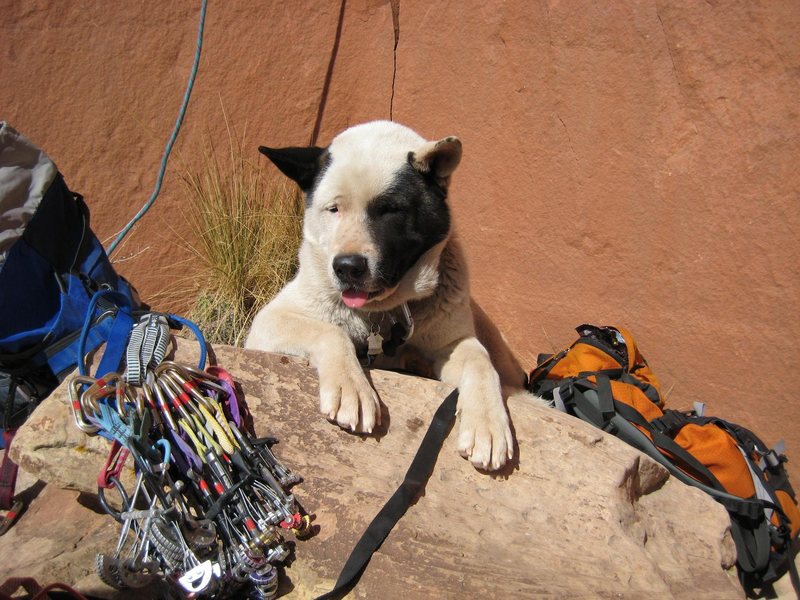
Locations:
column 630, row 163
column 578, row 514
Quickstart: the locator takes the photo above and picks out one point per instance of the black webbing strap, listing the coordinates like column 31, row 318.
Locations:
column 413, row 484
column 697, row 469
column 605, row 397
column 598, row 413
column 671, row 422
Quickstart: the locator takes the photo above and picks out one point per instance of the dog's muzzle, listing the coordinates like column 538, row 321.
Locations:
column 351, row 269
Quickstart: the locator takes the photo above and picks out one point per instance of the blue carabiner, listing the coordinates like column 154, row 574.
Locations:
column 166, row 447
column 201, row 363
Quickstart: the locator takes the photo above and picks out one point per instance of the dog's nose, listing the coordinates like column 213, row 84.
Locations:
column 350, row 268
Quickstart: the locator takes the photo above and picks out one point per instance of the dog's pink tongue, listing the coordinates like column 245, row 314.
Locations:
column 354, row 298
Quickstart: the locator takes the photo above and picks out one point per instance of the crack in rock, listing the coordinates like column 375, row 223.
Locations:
column 396, row 26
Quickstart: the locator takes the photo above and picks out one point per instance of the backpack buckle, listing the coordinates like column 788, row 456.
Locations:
column 772, row 459
column 670, row 422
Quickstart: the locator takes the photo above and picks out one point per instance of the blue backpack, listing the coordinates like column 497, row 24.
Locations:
column 55, row 278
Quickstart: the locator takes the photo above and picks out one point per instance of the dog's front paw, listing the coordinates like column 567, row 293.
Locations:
column 484, row 435
column 346, row 397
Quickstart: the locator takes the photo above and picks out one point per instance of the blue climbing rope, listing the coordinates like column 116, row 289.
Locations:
column 173, row 137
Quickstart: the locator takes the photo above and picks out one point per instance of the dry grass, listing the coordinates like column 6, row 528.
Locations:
column 245, row 232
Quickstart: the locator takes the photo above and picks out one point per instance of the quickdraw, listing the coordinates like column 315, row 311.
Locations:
column 147, row 346
column 210, row 504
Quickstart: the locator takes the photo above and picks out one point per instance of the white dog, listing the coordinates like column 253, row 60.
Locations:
column 383, row 279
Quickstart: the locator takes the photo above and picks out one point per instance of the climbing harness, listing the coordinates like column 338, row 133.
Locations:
column 210, row 504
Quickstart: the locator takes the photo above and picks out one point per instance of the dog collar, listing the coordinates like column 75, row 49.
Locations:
column 400, row 331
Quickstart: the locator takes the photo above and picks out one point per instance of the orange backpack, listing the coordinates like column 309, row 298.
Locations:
column 603, row 379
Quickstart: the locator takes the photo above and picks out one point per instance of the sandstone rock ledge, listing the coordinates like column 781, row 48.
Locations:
column 578, row 515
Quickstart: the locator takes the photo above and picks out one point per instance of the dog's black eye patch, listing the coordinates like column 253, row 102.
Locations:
column 405, row 221
column 387, row 205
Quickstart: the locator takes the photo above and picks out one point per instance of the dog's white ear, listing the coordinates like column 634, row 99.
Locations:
column 438, row 159
column 299, row 164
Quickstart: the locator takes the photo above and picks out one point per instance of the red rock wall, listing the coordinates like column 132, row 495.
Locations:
column 626, row 163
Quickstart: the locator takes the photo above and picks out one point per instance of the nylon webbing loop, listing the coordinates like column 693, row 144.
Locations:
column 414, row 482
column 117, row 337
column 147, row 346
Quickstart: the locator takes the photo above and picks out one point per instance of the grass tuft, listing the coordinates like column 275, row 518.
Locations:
column 245, row 232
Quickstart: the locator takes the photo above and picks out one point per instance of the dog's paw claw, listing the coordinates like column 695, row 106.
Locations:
column 466, row 442
column 348, row 400
column 485, row 438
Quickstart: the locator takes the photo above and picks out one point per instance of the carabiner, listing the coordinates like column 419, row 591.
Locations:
column 77, row 407
column 101, row 387
column 167, row 449
column 163, row 406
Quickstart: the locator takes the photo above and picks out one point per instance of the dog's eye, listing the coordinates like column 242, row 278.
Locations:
column 390, row 208
column 333, row 208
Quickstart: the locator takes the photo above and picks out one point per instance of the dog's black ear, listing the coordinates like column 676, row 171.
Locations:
column 298, row 164
column 437, row 159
